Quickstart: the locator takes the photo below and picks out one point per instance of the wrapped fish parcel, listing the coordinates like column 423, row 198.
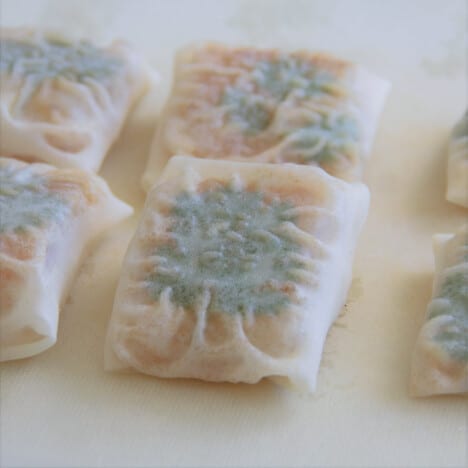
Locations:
column 440, row 357
column 267, row 105
column 48, row 217
column 236, row 272
column 457, row 171
column 64, row 102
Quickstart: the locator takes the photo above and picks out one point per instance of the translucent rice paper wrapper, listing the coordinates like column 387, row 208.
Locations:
column 236, row 272
column 440, row 357
column 49, row 217
column 62, row 101
column 457, row 170
column 268, row 105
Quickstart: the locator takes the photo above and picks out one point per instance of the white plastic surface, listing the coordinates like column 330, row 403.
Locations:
column 62, row 409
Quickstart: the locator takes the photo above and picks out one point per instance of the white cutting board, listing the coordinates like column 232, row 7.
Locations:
column 61, row 409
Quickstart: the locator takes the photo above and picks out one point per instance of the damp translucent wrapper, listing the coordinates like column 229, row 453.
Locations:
column 272, row 317
column 63, row 102
column 48, row 219
column 457, row 170
column 265, row 105
column 440, row 357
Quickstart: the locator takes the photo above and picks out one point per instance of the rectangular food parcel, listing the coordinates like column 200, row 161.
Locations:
column 236, row 272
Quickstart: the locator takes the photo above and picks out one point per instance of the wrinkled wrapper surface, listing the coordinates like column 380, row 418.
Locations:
column 246, row 312
column 440, row 358
column 265, row 105
column 64, row 102
column 48, row 218
column 457, row 170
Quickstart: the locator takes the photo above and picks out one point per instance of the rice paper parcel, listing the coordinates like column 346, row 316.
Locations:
column 236, row 272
